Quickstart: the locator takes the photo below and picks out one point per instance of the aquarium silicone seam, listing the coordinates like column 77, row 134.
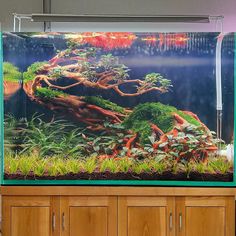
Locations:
column 1, row 113
column 234, row 180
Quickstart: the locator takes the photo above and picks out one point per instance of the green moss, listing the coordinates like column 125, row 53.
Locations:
column 33, row 70
column 47, row 93
column 11, row 72
column 106, row 104
column 156, row 113
column 144, row 114
column 188, row 118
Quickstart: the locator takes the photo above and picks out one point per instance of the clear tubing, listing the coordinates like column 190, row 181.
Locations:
column 219, row 87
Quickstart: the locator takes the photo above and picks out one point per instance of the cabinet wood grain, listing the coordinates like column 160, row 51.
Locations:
column 90, row 216
column 205, row 216
column 27, row 216
column 146, row 216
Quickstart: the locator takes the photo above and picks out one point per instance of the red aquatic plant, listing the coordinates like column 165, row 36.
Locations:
column 105, row 40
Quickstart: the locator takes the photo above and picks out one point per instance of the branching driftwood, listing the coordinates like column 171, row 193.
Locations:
column 75, row 66
column 82, row 68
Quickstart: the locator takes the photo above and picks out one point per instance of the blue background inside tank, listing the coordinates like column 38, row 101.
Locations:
column 191, row 70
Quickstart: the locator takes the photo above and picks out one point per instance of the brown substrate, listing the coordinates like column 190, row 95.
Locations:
column 167, row 175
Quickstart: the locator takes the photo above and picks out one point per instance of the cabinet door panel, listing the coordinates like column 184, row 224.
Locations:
column 27, row 216
column 88, row 221
column 90, row 216
column 205, row 221
column 205, row 216
column 30, row 221
column 147, row 221
column 146, row 216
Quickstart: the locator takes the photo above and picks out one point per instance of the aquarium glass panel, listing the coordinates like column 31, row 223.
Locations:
column 118, row 108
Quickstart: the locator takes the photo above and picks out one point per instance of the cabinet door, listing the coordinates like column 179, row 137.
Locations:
column 205, row 216
column 146, row 216
column 27, row 216
column 89, row 216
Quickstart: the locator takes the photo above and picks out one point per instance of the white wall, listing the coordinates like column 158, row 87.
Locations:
column 7, row 7
column 158, row 7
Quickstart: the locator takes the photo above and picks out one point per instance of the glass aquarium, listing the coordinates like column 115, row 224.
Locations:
column 118, row 108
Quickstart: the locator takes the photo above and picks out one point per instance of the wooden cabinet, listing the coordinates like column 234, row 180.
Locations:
column 149, row 216
column 110, row 214
column 90, row 216
column 205, row 216
column 65, row 216
column 180, row 216
column 27, row 216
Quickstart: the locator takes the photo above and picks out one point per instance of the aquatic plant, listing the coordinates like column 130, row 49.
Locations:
column 161, row 115
column 108, row 165
column 47, row 93
column 73, row 166
column 13, row 135
column 103, row 103
column 33, row 70
column 124, row 164
column 11, row 73
column 188, row 143
column 155, row 78
column 221, row 165
column 90, row 164
column 25, row 165
column 31, row 164
column 10, row 162
column 48, row 138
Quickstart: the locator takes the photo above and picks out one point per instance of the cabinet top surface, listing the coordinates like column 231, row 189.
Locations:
column 112, row 191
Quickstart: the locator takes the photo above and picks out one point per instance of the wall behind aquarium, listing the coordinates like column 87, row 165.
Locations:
column 161, row 7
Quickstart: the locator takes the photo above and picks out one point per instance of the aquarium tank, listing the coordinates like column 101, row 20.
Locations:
column 118, row 108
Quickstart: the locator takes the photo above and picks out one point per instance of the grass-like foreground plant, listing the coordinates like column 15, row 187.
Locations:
column 26, row 165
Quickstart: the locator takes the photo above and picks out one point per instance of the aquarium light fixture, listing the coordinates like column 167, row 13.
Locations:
column 122, row 18
column 48, row 18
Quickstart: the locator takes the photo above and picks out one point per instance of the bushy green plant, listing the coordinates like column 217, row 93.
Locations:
column 11, row 73
column 153, row 79
column 32, row 70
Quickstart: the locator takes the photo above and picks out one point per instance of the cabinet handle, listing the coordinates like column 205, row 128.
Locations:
column 180, row 221
column 63, row 221
column 53, row 222
column 171, row 221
